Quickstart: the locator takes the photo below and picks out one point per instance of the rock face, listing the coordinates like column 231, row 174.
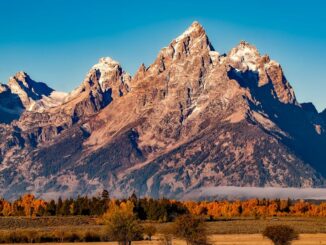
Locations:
column 22, row 93
column 192, row 119
column 10, row 105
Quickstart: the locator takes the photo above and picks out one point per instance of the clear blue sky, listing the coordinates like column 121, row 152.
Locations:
column 57, row 41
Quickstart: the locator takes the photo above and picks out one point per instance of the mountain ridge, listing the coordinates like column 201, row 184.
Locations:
column 191, row 119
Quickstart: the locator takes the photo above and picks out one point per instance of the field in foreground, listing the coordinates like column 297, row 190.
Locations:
column 255, row 226
column 309, row 225
column 235, row 231
column 229, row 239
column 257, row 239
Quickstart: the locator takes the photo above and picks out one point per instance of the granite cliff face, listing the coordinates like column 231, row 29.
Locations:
column 192, row 119
column 24, row 94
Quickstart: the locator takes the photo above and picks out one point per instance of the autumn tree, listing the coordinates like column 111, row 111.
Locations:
column 29, row 205
column 121, row 223
column 191, row 229
column 7, row 209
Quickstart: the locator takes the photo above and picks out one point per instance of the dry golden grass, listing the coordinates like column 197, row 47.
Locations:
column 257, row 239
column 236, row 231
column 307, row 225
column 243, row 225
column 234, row 239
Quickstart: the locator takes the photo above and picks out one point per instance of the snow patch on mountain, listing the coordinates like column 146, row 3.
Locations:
column 214, row 56
column 54, row 99
column 106, row 66
column 193, row 28
column 245, row 54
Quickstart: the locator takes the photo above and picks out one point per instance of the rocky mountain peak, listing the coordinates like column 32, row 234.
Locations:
column 252, row 69
column 3, row 88
column 106, row 81
column 111, row 74
column 244, row 56
column 309, row 107
column 22, row 93
column 194, row 30
column 27, row 89
column 139, row 75
column 323, row 115
column 20, row 81
column 22, row 76
column 192, row 42
column 108, row 61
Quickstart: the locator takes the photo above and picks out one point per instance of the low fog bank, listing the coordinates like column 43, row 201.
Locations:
column 234, row 192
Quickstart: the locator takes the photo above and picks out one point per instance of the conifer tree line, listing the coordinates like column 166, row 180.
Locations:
column 159, row 209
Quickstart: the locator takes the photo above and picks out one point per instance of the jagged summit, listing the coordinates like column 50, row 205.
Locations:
column 3, row 87
column 309, row 107
column 195, row 33
column 21, row 82
column 195, row 27
column 191, row 46
column 140, row 72
column 27, row 89
column 22, row 93
column 245, row 55
column 106, row 62
column 111, row 74
column 22, row 75
column 323, row 114
column 106, row 81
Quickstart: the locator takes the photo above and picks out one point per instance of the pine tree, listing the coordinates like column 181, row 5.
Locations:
column 59, row 207
column 51, row 208
column 105, row 195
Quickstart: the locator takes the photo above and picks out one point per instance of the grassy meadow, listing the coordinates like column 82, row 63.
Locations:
column 222, row 226
column 223, row 231
column 228, row 239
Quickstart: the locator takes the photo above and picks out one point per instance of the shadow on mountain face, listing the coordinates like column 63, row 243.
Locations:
column 35, row 89
column 10, row 107
column 303, row 138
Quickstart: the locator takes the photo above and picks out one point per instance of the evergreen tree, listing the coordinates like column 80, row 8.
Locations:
column 105, row 195
column 65, row 210
column 133, row 198
column 59, row 207
column 51, row 208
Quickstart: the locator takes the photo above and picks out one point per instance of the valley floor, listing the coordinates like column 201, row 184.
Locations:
column 243, row 225
column 235, row 231
column 228, row 239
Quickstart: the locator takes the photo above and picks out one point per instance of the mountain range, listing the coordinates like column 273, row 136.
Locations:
column 192, row 119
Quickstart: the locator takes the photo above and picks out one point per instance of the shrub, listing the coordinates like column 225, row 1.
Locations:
column 280, row 234
column 91, row 237
column 48, row 237
column 191, row 229
column 57, row 236
column 72, row 237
